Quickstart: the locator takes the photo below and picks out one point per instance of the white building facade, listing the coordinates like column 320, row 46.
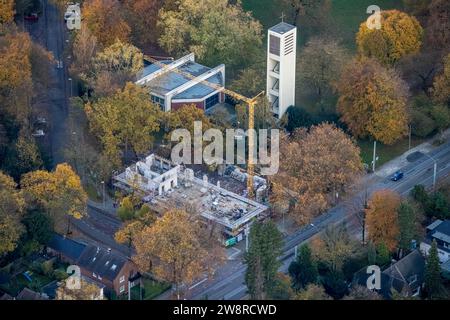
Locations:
column 281, row 63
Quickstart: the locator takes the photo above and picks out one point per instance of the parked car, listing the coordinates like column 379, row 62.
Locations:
column 32, row 17
column 397, row 176
column 38, row 133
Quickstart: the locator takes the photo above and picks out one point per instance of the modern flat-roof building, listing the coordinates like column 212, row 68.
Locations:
column 172, row 84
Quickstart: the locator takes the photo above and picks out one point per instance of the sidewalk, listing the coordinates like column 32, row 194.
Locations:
column 107, row 206
column 394, row 165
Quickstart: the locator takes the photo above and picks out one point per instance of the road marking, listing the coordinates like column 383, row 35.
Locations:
column 198, row 283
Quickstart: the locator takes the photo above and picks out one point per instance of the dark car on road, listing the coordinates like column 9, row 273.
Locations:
column 32, row 17
column 397, row 176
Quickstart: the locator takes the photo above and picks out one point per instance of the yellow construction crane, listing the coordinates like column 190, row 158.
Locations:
column 251, row 102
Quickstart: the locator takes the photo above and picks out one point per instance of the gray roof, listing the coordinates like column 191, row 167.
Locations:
column 68, row 247
column 150, row 68
column 443, row 227
column 440, row 231
column 171, row 80
column 446, row 266
column 201, row 90
column 282, row 28
column 95, row 259
column 410, row 269
column 407, row 271
column 102, row 262
column 28, row 294
column 434, row 224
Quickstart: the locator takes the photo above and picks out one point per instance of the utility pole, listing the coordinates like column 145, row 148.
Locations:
column 434, row 175
column 247, row 232
column 374, row 155
column 409, row 143
column 103, row 198
column 434, row 171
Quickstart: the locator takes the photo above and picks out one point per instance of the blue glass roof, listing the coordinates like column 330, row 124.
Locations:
column 171, row 80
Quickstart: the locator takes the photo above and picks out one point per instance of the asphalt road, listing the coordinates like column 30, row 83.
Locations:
column 230, row 284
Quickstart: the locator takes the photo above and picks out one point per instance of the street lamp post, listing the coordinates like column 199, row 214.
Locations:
column 434, row 170
column 247, row 232
column 409, row 142
column 71, row 87
column 103, row 184
column 374, row 155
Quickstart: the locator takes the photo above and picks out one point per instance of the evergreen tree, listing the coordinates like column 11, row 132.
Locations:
column 433, row 283
column 303, row 270
column 262, row 259
column 406, row 224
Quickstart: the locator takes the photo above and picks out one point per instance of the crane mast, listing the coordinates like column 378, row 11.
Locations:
column 251, row 102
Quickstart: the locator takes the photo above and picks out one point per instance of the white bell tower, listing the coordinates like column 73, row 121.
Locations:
column 281, row 54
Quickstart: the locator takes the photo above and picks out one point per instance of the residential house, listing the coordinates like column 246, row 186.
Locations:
column 28, row 294
column 440, row 232
column 107, row 268
column 405, row 276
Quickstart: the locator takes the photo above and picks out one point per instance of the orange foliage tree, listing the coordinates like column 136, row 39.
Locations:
column 400, row 34
column 105, row 20
column 382, row 218
column 58, row 193
column 172, row 248
column 314, row 166
column 372, row 101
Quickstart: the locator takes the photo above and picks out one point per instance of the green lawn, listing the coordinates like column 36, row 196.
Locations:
column 347, row 14
column 385, row 152
column 151, row 289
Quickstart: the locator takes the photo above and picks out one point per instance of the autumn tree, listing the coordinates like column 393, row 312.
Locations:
column 382, row 218
column 141, row 15
column 416, row 7
column 303, row 270
column 59, row 194
column 441, row 86
column 265, row 246
column 87, row 291
column 6, row 12
column 333, row 247
column 438, row 25
column 172, row 248
column 124, row 122
column 15, row 76
column 41, row 62
column 320, row 65
column 263, row 116
column 184, row 118
column 114, row 66
column 11, row 210
column 399, row 35
column 217, row 31
column 105, row 20
column 24, row 156
column 313, row 292
column 373, row 101
column 84, row 50
column 315, row 165
column 249, row 82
